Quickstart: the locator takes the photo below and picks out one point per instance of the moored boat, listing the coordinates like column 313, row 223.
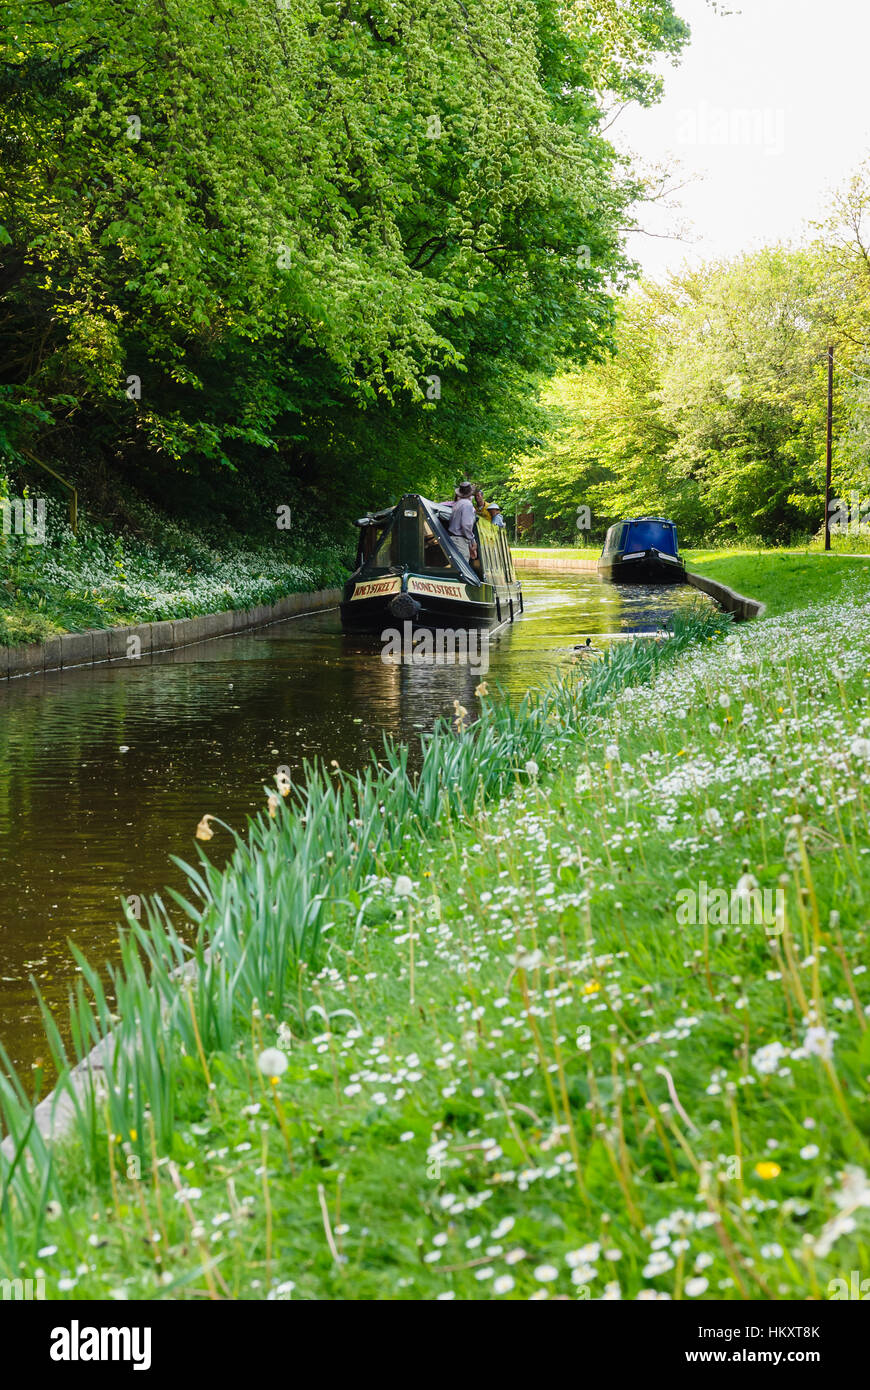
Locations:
column 408, row 569
column 642, row 550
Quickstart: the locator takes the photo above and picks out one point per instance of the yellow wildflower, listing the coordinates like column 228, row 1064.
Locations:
column 768, row 1170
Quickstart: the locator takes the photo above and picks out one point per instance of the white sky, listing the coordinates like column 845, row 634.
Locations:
column 799, row 72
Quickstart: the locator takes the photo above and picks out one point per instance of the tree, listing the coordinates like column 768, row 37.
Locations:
column 237, row 226
column 712, row 408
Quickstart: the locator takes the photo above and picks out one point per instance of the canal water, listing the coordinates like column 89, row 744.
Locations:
column 105, row 771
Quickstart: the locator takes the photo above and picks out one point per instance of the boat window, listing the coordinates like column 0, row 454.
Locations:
column 433, row 551
column 488, row 556
column 646, row 535
column 491, row 558
column 499, row 545
column 480, row 565
column 368, row 537
column 498, row 555
column 508, row 557
column 504, row 570
column 388, row 550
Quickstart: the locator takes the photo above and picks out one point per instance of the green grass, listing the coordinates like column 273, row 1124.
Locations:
column 511, row 1068
column 786, row 580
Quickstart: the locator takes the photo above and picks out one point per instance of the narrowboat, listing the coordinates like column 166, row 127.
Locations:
column 408, row 569
column 642, row 550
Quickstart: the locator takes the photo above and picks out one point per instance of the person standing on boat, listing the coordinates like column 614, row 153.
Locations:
column 495, row 514
column 461, row 526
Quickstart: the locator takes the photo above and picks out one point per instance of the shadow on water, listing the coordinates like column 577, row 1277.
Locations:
column 83, row 825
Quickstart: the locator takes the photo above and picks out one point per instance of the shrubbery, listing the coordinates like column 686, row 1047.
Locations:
column 164, row 570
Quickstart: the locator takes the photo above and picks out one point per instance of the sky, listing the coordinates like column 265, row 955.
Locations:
column 767, row 114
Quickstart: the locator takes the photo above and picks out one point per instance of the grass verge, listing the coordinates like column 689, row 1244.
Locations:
column 786, row 580
column 465, row 1037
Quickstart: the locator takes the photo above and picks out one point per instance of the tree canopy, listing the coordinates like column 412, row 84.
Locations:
column 712, row 407
column 346, row 236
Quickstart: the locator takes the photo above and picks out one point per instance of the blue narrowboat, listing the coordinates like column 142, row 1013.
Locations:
column 408, row 569
column 642, row 550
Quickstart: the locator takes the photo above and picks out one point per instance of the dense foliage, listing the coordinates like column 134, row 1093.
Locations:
column 713, row 408
column 151, row 570
column 280, row 228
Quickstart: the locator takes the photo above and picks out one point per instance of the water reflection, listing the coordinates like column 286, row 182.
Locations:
column 83, row 824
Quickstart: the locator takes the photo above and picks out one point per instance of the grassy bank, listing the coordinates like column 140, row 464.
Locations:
column 562, row 552
column 154, row 567
column 513, row 1066
column 786, row 580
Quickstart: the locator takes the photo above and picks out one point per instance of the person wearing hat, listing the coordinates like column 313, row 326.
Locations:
column 461, row 525
column 495, row 514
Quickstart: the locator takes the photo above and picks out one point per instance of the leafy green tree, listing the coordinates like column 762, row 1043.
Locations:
column 608, row 443
column 712, row 407
column 345, row 235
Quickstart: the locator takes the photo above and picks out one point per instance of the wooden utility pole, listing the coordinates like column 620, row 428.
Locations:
column 830, row 448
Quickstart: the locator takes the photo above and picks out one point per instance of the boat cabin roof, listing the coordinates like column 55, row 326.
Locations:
column 644, row 533
column 441, row 509
column 413, row 534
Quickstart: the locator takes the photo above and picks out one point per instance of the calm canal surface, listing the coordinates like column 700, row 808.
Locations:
column 83, row 825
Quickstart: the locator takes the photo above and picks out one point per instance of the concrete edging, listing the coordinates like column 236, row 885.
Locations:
column 739, row 605
column 99, row 645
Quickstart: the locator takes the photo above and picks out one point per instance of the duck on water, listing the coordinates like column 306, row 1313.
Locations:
column 410, row 568
column 642, row 550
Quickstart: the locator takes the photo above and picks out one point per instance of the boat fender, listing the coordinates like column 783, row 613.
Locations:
column 404, row 606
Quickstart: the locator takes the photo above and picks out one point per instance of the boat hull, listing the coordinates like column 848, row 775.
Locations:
column 650, row 567
column 378, row 612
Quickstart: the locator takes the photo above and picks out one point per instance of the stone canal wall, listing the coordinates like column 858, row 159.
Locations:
column 117, row 643
column 99, row 645
column 737, row 604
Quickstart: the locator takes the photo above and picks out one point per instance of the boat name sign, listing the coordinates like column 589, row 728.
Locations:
column 374, row 588
column 437, row 588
